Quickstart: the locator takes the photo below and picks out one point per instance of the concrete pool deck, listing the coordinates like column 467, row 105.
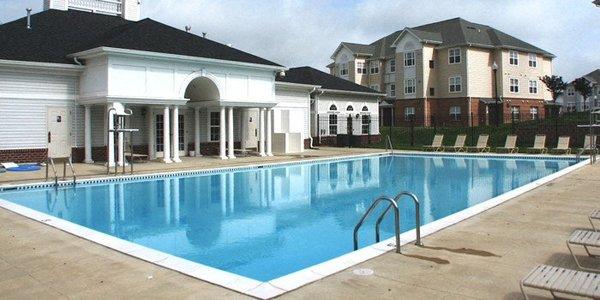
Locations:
column 482, row 257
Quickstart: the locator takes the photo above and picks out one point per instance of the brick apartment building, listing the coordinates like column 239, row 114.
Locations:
column 452, row 72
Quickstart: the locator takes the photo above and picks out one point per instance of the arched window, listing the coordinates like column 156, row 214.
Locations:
column 349, row 108
column 333, row 107
column 365, row 108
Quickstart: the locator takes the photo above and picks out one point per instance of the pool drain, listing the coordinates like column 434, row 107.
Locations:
column 363, row 272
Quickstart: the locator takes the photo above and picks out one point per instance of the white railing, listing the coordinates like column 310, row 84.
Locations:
column 102, row 6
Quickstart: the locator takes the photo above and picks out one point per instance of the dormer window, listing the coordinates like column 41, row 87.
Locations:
column 454, row 56
column 409, row 59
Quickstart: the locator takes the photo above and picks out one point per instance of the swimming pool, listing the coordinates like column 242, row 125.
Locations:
column 267, row 222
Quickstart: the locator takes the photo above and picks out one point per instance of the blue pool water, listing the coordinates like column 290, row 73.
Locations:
column 268, row 222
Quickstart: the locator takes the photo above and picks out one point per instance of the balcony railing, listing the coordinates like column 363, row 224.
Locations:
column 102, row 6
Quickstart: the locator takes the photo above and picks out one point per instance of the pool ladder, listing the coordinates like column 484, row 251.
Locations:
column 66, row 161
column 393, row 204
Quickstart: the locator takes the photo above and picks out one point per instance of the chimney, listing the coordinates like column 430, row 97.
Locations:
column 188, row 28
column 28, row 18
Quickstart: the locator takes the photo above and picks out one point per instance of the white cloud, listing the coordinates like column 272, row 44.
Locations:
column 296, row 33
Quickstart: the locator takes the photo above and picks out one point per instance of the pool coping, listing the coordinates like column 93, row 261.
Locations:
column 292, row 281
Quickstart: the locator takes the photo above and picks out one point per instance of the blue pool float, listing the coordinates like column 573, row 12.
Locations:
column 25, row 168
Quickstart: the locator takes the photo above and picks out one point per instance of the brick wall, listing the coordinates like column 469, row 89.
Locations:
column 24, row 155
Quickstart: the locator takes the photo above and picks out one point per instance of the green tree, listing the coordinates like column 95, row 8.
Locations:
column 555, row 85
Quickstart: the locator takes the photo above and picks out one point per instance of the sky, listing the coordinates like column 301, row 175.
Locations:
column 299, row 33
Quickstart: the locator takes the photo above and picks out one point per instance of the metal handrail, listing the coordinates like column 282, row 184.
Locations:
column 388, row 145
column 418, row 241
column 370, row 210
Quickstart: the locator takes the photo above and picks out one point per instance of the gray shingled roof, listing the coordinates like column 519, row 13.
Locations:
column 593, row 76
column 312, row 76
column 453, row 32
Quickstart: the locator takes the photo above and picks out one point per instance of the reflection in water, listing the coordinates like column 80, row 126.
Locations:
column 265, row 223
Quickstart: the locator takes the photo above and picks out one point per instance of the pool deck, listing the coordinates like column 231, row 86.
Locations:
column 482, row 257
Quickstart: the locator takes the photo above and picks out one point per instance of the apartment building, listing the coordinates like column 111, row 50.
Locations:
column 572, row 101
column 452, row 72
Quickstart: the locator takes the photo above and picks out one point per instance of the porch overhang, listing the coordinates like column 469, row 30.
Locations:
column 233, row 103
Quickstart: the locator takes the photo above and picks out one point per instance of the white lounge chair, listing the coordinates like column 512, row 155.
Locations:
column 482, row 144
column 539, row 145
column 586, row 239
column 565, row 281
column 588, row 143
column 459, row 144
column 510, row 145
column 436, row 144
column 595, row 215
column 563, row 145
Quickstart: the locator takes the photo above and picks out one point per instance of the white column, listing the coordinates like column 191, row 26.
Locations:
column 166, row 137
column 243, row 127
column 151, row 133
column 222, row 135
column 175, row 135
column 88, row 134
column 111, row 139
column 269, row 136
column 230, row 143
column 261, row 132
column 120, row 145
column 197, row 132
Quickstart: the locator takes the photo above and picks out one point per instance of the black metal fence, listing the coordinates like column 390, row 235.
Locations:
column 347, row 130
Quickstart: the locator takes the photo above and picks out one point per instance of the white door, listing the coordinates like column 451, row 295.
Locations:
column 59, row 134
column 159, row 138
column 252, row 129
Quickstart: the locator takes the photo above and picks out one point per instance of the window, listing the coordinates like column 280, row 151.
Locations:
column 513, row 58
column 344, row 69
column 533, row 87
column 454, row 56
column 215, row 122
column 365, row 108
column 374, row 67
column 349, row 108
column 431, row 64
column 392, row 91
column 361, row 68
column 392, row 66
column 515, row 113
column 409, row 86
column 332, row 124
column 514, row 85
column 333, row 107
column 570, row 92
column 534, row 113
column 409, row 113
column 365, row 124
column 533, row 60
column 409, row 59
column 431, row 91
column 455, row 84
column 375, row 87
column 455, row 113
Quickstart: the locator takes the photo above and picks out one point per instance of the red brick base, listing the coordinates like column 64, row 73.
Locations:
column 24, row 155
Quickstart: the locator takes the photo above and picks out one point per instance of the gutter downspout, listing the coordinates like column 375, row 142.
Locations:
column 316, row 102
column 76, row 60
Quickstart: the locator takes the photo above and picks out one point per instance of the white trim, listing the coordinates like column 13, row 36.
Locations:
column 351, row 93
column 42, row 66
column 460, row 85
column 460, row 59
column 176, row 57
column 510, row 52
column 286, row 283
column 510, row 85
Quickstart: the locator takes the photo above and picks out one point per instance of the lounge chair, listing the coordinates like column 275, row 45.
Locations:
column 595, row 215
column 436, row 144
column 586, row 239
column 588, row 144
column 539, row 145
column 560, row 280
column 510, row 146
column 459, row 144
column 563, row 145
column 481, row 146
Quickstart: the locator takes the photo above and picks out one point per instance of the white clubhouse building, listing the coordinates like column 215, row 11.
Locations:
column 69, row 72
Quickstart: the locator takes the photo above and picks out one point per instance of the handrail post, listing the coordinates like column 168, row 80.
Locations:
column 370, row 210
column 418, row 241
